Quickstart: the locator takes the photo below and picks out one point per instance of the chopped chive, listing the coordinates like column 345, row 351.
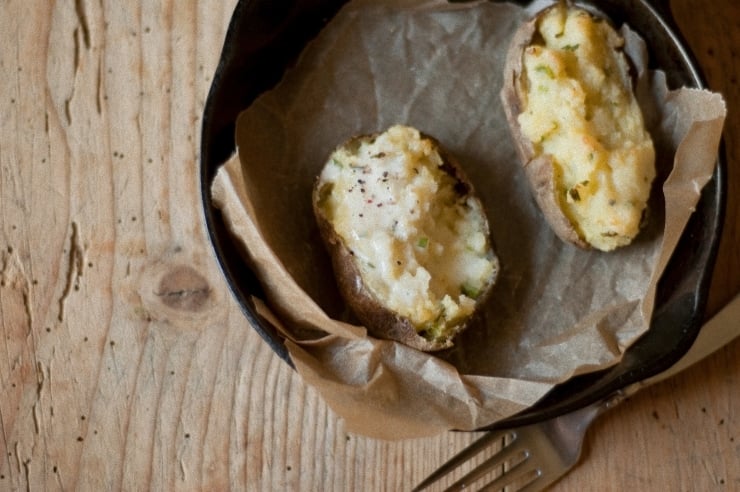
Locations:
column 571, row 47
column 423, row 242
column 545, row 69
column 470, row 291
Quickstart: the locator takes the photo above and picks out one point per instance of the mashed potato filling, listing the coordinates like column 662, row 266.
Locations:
column 423, row 250
column 580, row 110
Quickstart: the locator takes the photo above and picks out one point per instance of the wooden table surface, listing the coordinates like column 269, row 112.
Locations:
column 124, row 362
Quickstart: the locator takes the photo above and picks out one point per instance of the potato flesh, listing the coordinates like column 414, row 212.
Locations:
column 581, row 111
column 422, row 250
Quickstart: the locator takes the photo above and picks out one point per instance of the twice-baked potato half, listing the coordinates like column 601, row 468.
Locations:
column 578, row 128
column 409, row 240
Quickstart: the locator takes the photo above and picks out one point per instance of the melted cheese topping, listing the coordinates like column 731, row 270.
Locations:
column 422, row 249
column 580, row 111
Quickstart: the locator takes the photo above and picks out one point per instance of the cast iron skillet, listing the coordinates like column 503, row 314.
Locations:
column 266, row 36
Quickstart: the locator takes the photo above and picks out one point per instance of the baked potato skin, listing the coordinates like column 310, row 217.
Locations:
column 538, row 169
column 380, row 321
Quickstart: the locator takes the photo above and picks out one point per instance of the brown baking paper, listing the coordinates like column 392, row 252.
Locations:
column 556, row 311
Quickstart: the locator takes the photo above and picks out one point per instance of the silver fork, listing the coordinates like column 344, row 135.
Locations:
column 533, row 457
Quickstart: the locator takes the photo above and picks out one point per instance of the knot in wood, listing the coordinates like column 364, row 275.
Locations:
column 184, row 288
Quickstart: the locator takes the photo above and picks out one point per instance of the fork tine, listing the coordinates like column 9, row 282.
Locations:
column 462, row 457
column 517, row 471
column 537, row 484
column 543, row 480
column 500, row 457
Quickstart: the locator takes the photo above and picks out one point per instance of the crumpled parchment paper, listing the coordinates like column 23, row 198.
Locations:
column 556, row 310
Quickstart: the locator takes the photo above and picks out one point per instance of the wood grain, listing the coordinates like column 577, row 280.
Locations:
column 124, row 362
